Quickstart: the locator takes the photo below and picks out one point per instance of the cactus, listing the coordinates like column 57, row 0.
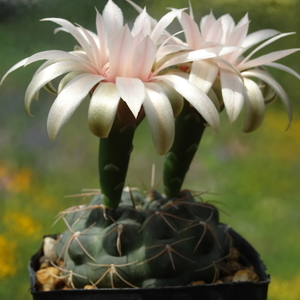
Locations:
column 148, row 241
column 123, row 238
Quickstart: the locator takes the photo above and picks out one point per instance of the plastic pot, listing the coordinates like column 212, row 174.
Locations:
column 220, row 291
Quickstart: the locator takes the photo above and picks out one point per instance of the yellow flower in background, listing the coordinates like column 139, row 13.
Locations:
column 15, row 180
column 7, row 257
column 21, row 223
column 44, row 200
column 21, row 181
column 289, row 139
column 281, row 289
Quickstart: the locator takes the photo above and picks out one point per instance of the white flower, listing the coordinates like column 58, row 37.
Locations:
column 118, row 64
column 233, row 69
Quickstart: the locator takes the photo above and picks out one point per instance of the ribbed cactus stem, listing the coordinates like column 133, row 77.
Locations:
column 189, row 127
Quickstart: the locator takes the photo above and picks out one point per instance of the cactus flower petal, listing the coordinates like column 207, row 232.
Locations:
column 257, row 37
column 196, row 98
column 112, row 64
column 132, row 91
column 254, row 106
column 233, row 93
column 113, row 18
column 47, row 74
column 160, row 116
column 233, row 66
column 266, row 77
column 68, row 100
column 203, row 74
column 103, row 108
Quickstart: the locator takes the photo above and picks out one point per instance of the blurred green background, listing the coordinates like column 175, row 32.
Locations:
column 253, row 177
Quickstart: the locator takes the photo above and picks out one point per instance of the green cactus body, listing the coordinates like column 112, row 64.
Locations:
column 159, row 242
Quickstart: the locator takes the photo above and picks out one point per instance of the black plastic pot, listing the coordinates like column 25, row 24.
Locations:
column 221, row 291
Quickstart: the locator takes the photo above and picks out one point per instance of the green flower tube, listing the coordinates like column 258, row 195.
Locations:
column 189, row 127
